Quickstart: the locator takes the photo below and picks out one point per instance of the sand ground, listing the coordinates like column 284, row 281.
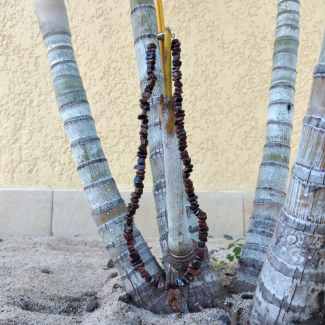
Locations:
column 52, row 280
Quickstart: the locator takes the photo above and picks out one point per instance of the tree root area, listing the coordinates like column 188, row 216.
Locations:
column 55, row 280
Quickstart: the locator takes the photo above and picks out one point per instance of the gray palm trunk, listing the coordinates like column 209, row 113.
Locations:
column 290, row 288
column 273, row 175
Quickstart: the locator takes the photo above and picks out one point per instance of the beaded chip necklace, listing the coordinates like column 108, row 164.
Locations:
column 135, row 258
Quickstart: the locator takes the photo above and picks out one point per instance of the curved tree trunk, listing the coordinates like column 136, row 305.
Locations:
column 107, row 207
column 290, row 289
column 144, row 24
column 273, row 175
column 206, row 286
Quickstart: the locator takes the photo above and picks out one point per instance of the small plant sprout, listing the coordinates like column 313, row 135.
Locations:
column 236, row 252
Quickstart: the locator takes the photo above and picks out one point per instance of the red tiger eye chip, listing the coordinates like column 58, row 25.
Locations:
column 128, row 236
column 134, row 254
column 193, row 272
column 144, row 131
column 144, row 274
column 189, row 276
column 191, row 266
column 203, row 235
column 201, row 249
column 137, row 265
column 156, row 283
column 204, row 239
column 141, row 269
column 134, row 259
column 131, row 248
column 139, row 191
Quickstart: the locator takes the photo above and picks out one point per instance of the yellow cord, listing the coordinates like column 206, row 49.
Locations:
column 168, row 63
column 161, row 14
column 161, row 28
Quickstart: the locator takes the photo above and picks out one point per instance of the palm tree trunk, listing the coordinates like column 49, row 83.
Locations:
column 179, row 239
column 290, row 289
column 144, row 24
column 273, row 175
column 107, row 207
column 206, row 286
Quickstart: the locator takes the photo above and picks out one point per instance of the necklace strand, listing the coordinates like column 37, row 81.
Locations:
column 135, row 258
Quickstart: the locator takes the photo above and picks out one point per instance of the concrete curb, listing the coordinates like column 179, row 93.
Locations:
column 25, row 212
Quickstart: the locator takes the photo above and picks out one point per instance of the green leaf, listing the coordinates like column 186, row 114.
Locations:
column 237, row 250
column 240, row 245
column 231, row 245
column 238, row 257
column 230, row 257
column 238, row 240
column 221, row 264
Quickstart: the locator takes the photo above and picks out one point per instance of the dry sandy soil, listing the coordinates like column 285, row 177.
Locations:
column 52, row 281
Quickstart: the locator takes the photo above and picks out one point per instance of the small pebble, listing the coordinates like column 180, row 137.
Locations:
column 136, row 321
column 125, row 298
column 25, row 306
column 225, row 319
column 247, row 296
column 92, row 306
column 114, row 275
column 228, row 237
column 110, row 264
column 46, row 271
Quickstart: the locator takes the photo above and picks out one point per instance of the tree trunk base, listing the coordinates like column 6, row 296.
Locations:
column 203, row 290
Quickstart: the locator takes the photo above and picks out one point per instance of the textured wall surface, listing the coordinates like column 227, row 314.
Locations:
column 227, row 59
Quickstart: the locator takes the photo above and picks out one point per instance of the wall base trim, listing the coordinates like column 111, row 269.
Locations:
column 28, row 212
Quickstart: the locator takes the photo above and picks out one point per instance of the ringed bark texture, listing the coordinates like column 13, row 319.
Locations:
column 107, row 207
column 273, row 175
column 206, row 288
column 179, row 239
column 290, row 289
column 144, row 25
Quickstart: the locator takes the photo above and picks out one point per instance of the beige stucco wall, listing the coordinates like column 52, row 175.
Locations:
column 227, row 60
